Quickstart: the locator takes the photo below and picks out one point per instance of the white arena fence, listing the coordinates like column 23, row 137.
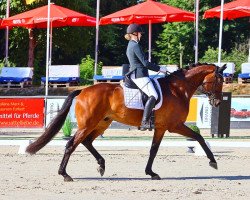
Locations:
column 143, row 143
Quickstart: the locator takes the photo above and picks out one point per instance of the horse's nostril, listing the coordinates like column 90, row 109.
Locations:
column 217, row 103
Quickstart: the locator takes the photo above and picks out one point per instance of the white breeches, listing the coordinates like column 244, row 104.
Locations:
column 145, row 85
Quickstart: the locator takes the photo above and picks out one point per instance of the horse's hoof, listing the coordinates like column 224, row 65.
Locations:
column 68, row 179
column 213, row 165
column 101, row 170
column 156, row 177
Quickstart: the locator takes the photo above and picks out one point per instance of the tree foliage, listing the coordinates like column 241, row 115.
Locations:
column 176, row 37
column 234, row 32
column 236, row 56
column 87, row 69
column 72, row 44
column 211, row 55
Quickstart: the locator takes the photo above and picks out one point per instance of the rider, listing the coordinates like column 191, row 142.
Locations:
column 139, row 66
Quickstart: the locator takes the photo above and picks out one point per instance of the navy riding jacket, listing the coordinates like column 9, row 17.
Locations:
column 138, row 61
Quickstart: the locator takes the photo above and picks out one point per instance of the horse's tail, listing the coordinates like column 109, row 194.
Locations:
column 55, row 125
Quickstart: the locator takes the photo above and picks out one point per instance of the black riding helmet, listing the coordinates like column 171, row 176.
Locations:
column 133, row 28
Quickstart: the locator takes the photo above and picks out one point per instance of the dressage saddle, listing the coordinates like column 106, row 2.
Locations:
column 130, row 84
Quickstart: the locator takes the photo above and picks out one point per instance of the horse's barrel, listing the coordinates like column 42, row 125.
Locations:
column 125, row 69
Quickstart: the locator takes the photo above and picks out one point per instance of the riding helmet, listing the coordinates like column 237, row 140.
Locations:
column 132, row 28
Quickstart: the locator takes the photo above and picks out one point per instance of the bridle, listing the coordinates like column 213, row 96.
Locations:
column 211, row 94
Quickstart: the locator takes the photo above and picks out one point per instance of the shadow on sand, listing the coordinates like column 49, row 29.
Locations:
column 231, row 178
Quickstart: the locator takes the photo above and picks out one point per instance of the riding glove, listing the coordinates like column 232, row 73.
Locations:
column 163, row 70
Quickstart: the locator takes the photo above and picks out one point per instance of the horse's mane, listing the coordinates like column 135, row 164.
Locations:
column 193, row 65
column 180, row 73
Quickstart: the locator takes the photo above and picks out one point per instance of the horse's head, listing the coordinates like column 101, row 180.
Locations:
column 212, row 85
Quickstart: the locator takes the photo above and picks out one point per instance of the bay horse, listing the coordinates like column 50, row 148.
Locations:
column 98, row 105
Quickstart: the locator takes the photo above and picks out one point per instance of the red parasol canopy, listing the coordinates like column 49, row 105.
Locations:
column 59, row 16
column 232, row 10
column 148, row 11
column 1, row 23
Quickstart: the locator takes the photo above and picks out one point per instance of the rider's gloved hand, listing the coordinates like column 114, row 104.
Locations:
column 164, row 70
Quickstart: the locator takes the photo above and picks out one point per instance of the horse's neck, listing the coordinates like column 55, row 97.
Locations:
column 195, row 78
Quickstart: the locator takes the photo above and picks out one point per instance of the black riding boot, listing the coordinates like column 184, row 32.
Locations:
column 145, row 124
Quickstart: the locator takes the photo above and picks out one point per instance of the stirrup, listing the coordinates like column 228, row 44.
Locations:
column 147, row 126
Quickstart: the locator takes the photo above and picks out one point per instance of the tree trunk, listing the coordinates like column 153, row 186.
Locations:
column 32, row 45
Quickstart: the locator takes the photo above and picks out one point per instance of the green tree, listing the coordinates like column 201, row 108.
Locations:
column 211, row 55
column 236, row 56
column 176, row 38
column 234, row 32
column 70, row 44
column 112, row 44
column 87, row 69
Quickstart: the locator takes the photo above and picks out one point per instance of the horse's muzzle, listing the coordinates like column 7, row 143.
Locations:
column 214, row 102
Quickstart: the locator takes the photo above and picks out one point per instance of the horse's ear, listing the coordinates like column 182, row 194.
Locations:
column 221, row 69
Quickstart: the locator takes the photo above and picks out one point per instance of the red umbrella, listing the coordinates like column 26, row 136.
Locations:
column 1, row 24
column 59, row 16
column 232, row 10
column 146, row 13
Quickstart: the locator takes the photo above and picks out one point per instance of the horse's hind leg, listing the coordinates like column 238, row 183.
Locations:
column 100, row 160
column 69, row 149
column 102, row 126
column 185, row 131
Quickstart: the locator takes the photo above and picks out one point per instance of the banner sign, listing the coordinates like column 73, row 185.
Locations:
column 240, row 109
column 29, row 112
column 21, row 113
column 204, row 112
column 192, row 115
column 53, row 107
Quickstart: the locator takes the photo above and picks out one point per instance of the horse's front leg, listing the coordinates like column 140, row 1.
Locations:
column 158, row 135
column 185, row 131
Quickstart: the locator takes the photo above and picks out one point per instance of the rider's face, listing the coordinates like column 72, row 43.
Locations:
column 139, row 36
column 136, row 36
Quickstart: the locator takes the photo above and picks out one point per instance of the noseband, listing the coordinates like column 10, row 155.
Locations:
column 211, row 94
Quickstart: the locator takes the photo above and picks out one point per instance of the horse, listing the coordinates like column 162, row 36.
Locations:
column 98, row 105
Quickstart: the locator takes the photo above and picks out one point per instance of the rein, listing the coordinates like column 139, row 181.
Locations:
column 201, row 88
column 215, row 83
column 210, row 94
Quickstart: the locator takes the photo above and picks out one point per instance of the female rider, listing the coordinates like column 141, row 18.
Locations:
column 139, row 66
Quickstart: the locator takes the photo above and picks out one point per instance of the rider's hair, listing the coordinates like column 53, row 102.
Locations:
column 127, row 36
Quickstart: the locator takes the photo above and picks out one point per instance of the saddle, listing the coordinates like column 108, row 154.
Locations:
column 130, row 84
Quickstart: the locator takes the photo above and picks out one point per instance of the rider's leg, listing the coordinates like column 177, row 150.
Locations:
column 150, row 104
column 148, row 88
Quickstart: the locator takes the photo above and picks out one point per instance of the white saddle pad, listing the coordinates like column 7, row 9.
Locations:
column 133, row 99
